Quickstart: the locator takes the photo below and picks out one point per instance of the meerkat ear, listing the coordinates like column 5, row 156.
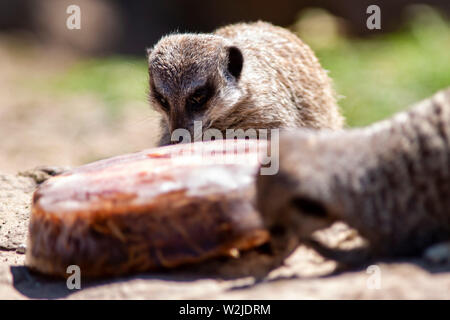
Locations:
column 149, row 51
column 235, row 61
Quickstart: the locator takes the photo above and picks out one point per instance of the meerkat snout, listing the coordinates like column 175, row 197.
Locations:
column 301, row 211
column 242, row 76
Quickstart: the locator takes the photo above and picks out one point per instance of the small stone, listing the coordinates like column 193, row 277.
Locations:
column 438, row 253
column 21, row 249
column 234, row 253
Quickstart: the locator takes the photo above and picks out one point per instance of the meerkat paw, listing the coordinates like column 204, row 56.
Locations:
column 42, row 173
column 346, row 259
column 438, row 253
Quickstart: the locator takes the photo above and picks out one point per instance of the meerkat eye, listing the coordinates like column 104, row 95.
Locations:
column 309, row 207
column 199, row 97
column 162, row 101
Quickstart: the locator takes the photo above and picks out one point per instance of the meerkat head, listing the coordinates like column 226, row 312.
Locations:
column 192, row 76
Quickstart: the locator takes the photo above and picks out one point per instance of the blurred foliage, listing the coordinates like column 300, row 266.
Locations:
column 383, row 74
column 375, row 76
column 116, row 80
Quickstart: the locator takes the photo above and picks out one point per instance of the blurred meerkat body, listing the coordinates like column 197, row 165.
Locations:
column 390, row 181
column 242, row 76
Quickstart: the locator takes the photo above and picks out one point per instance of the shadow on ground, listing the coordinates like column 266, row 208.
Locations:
column 217, row 276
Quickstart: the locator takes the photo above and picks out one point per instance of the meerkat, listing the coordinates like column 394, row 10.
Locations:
column 389, row 181
column 242, row 76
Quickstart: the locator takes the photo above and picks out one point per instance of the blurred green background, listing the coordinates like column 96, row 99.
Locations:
column 378, row 76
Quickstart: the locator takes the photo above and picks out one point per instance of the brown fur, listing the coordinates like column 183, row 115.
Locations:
column 390, row 181
column 281, row 85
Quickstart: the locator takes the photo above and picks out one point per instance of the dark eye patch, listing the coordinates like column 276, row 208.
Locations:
column 278, row 230
column 161, row 100
column 200, row 96
column 309, row 207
